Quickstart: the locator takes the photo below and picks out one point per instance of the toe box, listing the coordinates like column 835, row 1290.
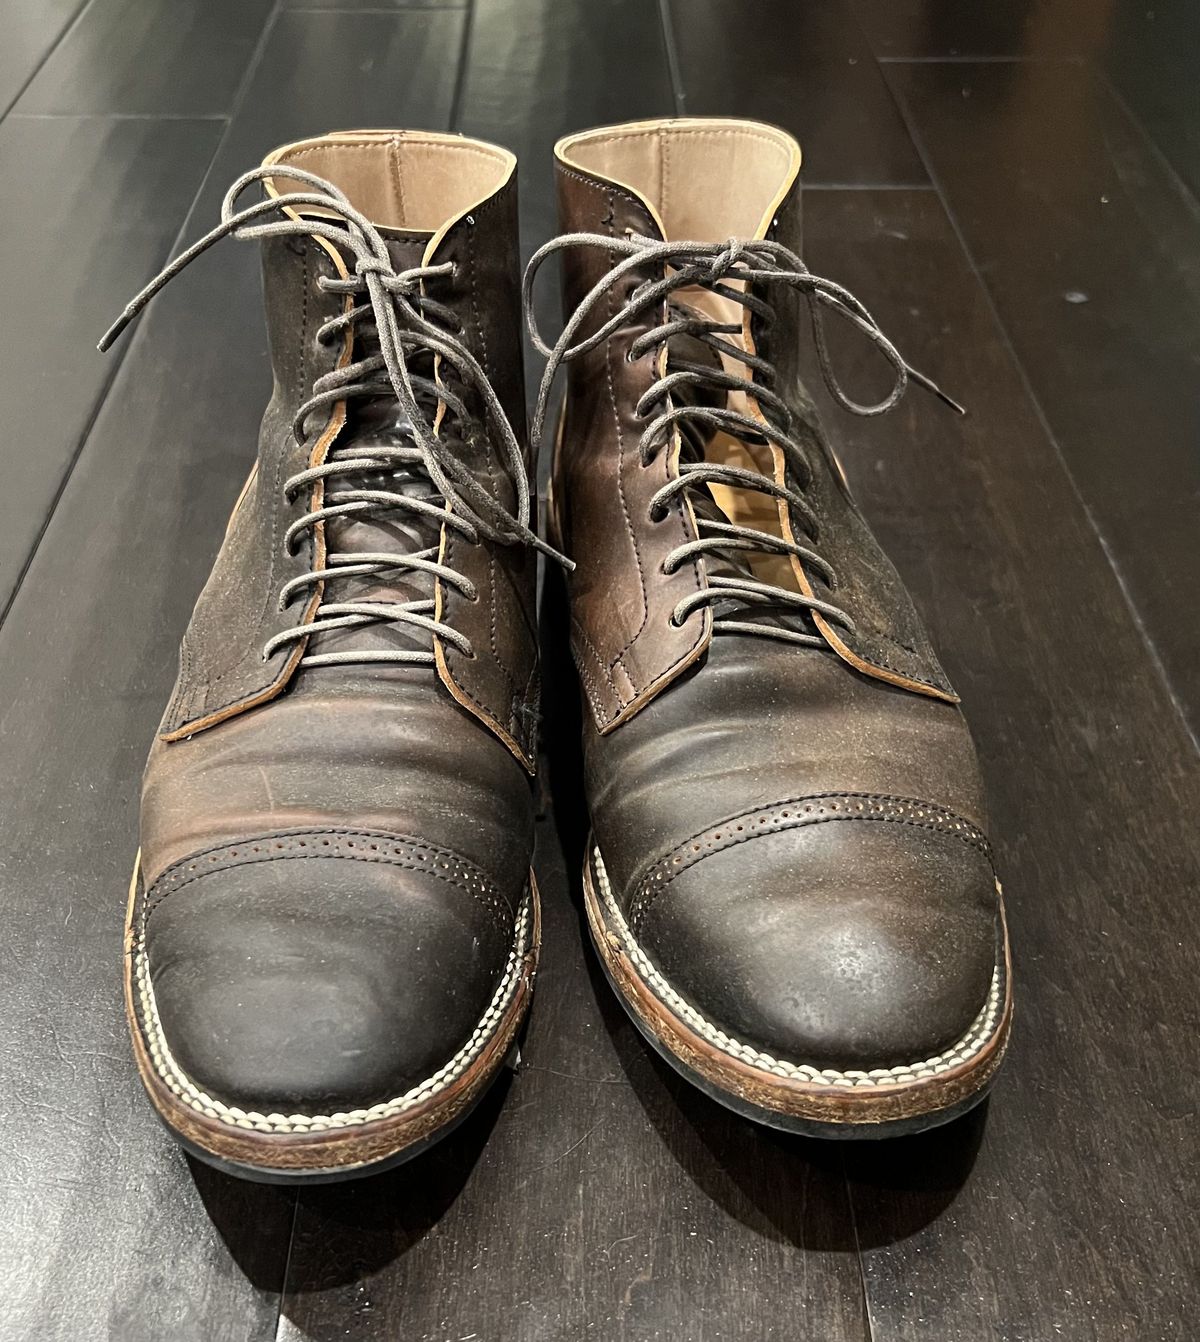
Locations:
column 850, row 945
column 321, row 972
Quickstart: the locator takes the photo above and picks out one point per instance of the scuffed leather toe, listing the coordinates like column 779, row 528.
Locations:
column 319, row 972
column 849, row 945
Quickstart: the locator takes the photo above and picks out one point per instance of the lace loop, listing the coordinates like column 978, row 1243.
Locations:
column 405, row 322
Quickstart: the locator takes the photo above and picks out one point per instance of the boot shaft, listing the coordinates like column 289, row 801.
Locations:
column 435, row 199
column 289, row 597
column 640, row 602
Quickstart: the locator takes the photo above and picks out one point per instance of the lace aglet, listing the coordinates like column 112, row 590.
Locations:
column 551, row 553
column 930, row 385
column 109, row 338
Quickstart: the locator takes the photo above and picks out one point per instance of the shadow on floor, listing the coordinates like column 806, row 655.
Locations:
column 357, row 1227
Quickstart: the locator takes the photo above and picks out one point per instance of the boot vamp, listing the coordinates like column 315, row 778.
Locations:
column 800, row 852
column 332, row 882
column 375, row 748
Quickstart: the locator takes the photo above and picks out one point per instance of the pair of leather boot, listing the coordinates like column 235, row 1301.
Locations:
column 333, row 925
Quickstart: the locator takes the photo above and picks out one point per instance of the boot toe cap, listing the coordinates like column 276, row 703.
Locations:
column 322, row 985
column 851, row 946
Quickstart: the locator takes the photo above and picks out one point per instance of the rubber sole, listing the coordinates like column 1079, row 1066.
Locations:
column 299, row 1148
column 794, row 1097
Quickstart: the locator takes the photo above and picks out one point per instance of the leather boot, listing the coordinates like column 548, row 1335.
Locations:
column 789, row 881
column 333, row 926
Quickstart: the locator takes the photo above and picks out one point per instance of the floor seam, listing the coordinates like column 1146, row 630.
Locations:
column 117, row 116
column 674, row 71
column 1140, row 130
column 287, row 1267
column 1135, row 614
column 868, row 1319
column 41, row 65
column 118, row 360
column 460, row 75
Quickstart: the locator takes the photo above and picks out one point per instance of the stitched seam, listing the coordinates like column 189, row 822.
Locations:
column 694, row 133
column 161, row 898
column 390, row 840
column 592, row 689
column 671, row 864
column 981, row 1031
column 799, row 800
column 610, row 201
column 664, row 172
column 906, row 672
column 393, row 156
column 207, row 697
column 676, row 505
column 181, row 1085
column 491, row 469
column 582, row 650
column 647, row 899
column 336, row 836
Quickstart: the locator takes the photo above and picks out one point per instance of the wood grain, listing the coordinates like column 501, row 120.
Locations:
column 185, row 58
column 1084, row 1179
column 100, row 204
column 1091, row 254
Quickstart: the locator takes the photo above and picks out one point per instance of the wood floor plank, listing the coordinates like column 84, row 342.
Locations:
column 1091, row 253
column 181, row 57
column 107, row 1233
column 536, row 71
column 376, row 4
column 1150, row 58
column 1071, row 1213
column 1148, row 52
column 806, row 68
column 336, row 70
column 31, row 28
column 101, row 202
column 924, row 29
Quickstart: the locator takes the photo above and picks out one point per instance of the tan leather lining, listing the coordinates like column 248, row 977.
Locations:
column 418, row 181
column 703, row 179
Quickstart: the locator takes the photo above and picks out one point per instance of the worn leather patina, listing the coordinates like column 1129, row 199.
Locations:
column 335, row 848
column 794, row 832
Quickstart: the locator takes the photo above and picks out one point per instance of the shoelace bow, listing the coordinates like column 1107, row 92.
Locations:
column 717, row 267
column 406, row 322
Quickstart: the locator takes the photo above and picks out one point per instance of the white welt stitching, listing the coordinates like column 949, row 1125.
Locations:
column 181, row 1085
column 982, row 1028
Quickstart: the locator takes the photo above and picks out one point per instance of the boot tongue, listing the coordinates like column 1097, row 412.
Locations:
column 380, row 422
column 730, row 563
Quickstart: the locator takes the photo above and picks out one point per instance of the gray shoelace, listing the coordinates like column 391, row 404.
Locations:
column 406, row 322
column 719, row 267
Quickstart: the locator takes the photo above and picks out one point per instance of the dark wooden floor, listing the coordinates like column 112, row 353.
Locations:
column 1012, row 189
